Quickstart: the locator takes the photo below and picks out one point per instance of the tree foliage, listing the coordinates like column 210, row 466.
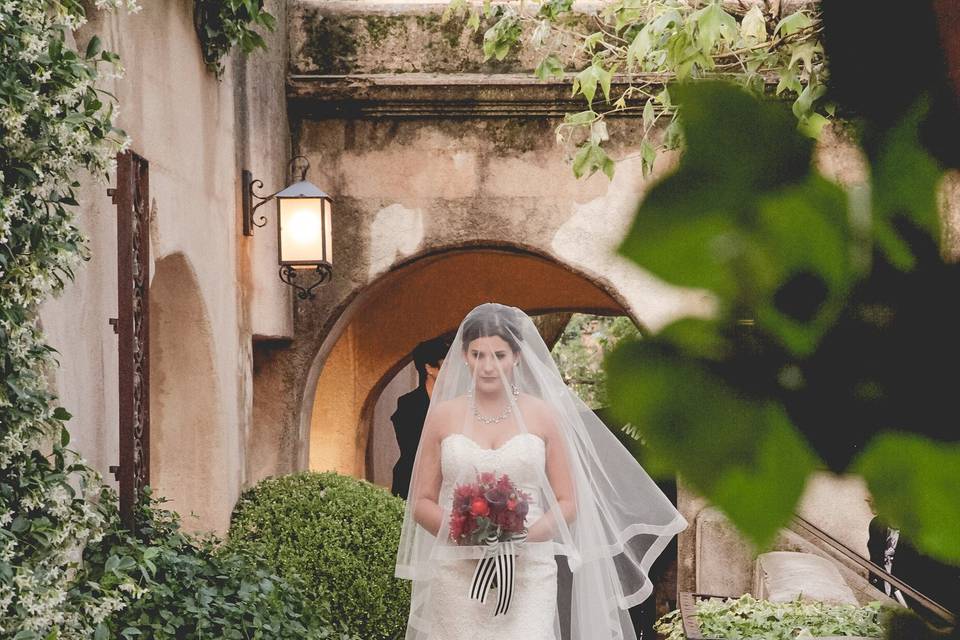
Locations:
column 832, row 337
column 625, row 55
column 580, row 351
column 68, row 570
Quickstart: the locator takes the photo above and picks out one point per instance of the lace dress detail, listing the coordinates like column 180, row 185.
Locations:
column 533, row 610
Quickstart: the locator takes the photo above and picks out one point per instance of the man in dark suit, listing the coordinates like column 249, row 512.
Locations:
column 892, row 551
column 412, row 410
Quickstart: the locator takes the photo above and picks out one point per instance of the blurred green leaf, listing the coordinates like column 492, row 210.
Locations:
column 706, row 196
column 905, row 180
column 914, row 482
column 741, row 454
column 748, row 229
column 753, row 27
column 549, row 67
column 648, row 115
column 803, row 247
column 93, row 47
column 793, row 23
column 590, row 158
column 639, row 47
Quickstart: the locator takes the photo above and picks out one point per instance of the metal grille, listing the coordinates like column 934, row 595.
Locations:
column 132, row 197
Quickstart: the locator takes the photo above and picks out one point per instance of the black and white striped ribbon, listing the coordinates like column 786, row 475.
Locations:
column 497, row 568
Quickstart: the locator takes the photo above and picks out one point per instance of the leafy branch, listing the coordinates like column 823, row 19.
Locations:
column 222, row 24
column 623, row 57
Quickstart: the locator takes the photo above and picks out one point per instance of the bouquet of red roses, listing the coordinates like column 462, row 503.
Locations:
column 490, row 508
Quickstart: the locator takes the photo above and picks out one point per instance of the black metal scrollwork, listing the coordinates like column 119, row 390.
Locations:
column 290, row 275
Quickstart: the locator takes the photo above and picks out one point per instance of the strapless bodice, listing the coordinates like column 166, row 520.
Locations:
column 522, row 458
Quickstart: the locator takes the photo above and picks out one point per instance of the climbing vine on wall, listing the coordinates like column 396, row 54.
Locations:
column 624, row 55
column 223, row 24
column 55, row 123
column 68, row 569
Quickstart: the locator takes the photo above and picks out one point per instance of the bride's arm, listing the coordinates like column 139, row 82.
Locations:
column 558, row 475
column 425, row 491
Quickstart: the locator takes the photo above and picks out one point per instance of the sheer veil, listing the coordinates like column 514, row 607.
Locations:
column 586, row 502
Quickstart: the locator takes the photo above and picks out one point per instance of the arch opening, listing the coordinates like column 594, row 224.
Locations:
column 423, row 299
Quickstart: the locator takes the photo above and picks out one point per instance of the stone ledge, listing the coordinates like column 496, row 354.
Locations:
column 784, row 576
column 449, row 95
column 437, row 94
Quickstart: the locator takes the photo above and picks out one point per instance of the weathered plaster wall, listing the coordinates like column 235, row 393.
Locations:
column 350, row 36
column 405, row 188
column 193, row 130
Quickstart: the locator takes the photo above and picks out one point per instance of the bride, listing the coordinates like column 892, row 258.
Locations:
column 513, row 476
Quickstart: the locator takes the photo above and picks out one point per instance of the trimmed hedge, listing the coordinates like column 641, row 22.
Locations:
column 337, row 534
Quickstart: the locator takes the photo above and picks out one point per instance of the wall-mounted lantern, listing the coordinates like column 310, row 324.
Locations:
column 304, row 228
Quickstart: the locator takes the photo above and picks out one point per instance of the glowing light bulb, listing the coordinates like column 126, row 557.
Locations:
column 305, row 226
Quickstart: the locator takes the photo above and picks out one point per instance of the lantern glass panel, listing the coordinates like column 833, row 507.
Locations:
column 305, row 231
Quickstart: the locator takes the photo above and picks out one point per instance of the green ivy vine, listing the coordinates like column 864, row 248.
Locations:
column 55, row 123
column 747, row 617
column 68, row 570
column 222, row 24
column 626, row 54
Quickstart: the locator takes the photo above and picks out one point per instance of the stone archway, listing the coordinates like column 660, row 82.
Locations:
column 425, row 297
column 184, row 398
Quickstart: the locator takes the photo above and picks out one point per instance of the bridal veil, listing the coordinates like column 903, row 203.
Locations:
column 609, row 522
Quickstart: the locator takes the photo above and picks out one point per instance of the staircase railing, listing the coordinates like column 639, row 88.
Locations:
column 802, row 526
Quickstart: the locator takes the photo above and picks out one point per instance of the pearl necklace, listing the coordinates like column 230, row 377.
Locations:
column 500, row 418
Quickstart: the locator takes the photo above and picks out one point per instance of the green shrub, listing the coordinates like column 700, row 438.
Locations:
column 188, row 587
column 339, row 535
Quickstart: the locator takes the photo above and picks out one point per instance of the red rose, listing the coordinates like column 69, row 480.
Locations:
column 456, row 526
column 479, row 507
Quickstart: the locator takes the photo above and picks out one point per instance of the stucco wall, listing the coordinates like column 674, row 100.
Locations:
column 196, row 132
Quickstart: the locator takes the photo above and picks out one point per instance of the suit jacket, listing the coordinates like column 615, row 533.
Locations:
column 934, row 579
column 408, row 422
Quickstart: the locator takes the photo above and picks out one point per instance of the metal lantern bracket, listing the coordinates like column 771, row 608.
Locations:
column 249, row 194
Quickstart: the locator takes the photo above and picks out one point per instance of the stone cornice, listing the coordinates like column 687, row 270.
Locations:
column 435, row 95
column 452, row 95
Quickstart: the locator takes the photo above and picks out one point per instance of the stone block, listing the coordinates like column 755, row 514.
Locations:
column 783, row 576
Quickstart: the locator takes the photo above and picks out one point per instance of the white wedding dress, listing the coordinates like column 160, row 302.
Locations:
column 533, row 609
column 606, row 520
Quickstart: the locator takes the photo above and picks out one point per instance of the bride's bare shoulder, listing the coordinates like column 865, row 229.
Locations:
column 538, row 412
column 533, row 403
column 444, row 415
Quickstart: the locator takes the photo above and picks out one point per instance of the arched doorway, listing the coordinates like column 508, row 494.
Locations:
column 425, row 297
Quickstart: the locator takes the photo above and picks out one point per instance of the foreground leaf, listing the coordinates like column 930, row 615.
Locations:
column 915, row 482
column 740, row 453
